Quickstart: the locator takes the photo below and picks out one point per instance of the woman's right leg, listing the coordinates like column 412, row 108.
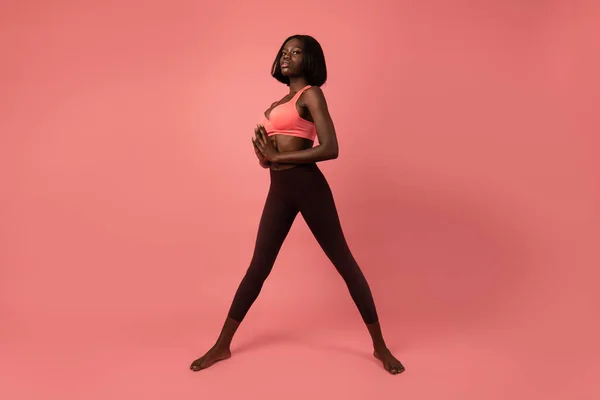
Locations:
column 275, row 223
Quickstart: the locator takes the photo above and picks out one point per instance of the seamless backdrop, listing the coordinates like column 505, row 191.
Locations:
column 467, row 187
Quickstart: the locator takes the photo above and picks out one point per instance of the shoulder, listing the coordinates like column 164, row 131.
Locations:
column 314, row 91
column 313, row 96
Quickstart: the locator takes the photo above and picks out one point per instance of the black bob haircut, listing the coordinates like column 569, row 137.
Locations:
column 313, row 62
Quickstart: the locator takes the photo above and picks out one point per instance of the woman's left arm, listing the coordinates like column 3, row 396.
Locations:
column 327, row 149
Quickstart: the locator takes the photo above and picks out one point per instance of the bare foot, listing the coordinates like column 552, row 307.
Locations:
column 212, row 356
column 390, row 363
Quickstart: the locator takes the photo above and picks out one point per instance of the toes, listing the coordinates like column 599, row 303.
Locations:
column 390, row 363
column 196, row 365
column 394, row 368
column 398, row 369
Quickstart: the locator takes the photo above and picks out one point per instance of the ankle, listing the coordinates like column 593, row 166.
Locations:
column 380, row 347
column 227, row 332
column 222, row 345
column 376, row 336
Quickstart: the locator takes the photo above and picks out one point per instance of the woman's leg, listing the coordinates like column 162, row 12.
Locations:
column 275, row 223
column 318, row 209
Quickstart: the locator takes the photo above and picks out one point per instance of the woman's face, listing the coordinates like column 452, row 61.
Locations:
column 290, row 58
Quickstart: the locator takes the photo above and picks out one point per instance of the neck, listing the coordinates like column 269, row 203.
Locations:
column 297, row 84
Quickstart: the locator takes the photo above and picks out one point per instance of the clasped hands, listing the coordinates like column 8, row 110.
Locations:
column 265, row 150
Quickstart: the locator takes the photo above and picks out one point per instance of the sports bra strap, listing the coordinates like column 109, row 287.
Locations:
column 299, row 92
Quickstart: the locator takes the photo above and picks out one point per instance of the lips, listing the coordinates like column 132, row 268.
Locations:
column 285, row 65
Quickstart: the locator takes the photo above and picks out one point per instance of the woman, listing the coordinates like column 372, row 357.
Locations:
column 284, row 144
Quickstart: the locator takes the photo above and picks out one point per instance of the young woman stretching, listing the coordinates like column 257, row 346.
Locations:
column 284, row 144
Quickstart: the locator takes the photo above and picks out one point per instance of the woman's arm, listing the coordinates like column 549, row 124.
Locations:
column 328, row 145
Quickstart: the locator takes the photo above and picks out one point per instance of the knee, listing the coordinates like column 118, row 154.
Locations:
column 257, row 273
column 349, row 270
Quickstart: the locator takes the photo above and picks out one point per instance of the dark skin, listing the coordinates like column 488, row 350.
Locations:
column 282, row 152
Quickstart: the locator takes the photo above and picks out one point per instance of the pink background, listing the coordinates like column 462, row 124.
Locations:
column 467, row 185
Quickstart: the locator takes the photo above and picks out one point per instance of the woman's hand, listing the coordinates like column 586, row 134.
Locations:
column 264, row 145
column 261, row 159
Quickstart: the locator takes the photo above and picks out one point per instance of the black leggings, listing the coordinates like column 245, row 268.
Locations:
column 301, row 189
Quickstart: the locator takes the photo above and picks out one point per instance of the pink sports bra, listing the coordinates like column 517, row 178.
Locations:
column 285, row 120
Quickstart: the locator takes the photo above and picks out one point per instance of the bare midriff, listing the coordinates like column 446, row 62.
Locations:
column 285, row 143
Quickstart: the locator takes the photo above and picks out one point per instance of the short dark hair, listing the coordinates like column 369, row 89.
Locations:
column 314, row 68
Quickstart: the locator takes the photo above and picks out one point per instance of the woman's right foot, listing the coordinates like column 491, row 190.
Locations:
column 212, row 356
column 390, row 363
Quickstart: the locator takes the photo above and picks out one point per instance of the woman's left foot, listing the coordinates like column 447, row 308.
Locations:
column 390, row 363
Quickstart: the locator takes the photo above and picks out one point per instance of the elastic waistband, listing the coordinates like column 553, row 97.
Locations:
column 299, row 171
column 292, row 171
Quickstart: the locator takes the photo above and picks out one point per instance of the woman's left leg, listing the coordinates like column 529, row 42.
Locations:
column 318, row 209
